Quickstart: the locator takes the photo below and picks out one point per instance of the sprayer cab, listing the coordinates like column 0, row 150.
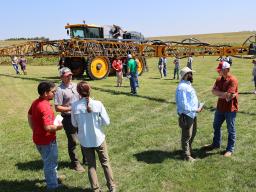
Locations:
column 85, row 31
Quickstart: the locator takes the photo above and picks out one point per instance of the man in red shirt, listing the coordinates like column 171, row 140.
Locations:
column 41, row 121
column 226, row 89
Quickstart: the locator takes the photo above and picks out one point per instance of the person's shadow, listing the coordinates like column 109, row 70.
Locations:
column 36, row 165
column 158, row 156
column 33, row 185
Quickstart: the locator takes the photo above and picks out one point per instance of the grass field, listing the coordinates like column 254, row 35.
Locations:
column 143, row 137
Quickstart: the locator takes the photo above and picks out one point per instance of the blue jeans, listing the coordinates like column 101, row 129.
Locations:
column 219, row 118
column 133, row 83
column 49, row 154
column 165, row 71
column 16, row 68
column 137, row 79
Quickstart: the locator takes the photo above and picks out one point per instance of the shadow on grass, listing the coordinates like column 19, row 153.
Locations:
column 157, row 156
column 54, row 79
column 33, row 186
column 117, row 92
column 213, row 109
column 38, row 164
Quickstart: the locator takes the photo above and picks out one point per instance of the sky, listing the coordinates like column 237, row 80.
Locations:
column 47, row 18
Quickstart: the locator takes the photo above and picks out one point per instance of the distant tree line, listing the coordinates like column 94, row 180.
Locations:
column 27, row 39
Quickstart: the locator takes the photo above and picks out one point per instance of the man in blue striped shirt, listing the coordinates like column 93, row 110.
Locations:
column 187, row 109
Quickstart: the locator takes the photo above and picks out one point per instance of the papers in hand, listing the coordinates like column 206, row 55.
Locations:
column 201, row 105
column 58, row 120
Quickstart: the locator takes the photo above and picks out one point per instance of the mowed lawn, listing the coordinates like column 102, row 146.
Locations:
column 143, row 137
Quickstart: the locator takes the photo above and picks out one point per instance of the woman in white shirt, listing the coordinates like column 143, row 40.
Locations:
column 89, row 116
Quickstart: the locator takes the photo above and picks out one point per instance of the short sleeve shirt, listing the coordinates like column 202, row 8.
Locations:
column 66, row 95
column 230, row 85
column 42, row 115
column 132, row 65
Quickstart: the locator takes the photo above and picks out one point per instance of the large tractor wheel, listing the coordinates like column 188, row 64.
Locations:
column 76, row 65
column 98, row 68
column 141, row 62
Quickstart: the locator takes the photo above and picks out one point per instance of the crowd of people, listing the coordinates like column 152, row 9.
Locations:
column 83, row 117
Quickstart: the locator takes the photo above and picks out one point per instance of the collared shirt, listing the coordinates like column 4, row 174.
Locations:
column 66, row 95
column 230, row 85
column 42, row 115
column 90, row 132
column 186, row 99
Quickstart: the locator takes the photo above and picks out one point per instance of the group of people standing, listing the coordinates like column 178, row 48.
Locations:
column 83, row 119
column 22, row 61
column 162, row 66
column 131, row 70
column 188, row 106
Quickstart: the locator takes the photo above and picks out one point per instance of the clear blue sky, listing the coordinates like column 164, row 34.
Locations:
column 31, row 18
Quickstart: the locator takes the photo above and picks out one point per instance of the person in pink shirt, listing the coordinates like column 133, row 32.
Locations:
column 118, row 67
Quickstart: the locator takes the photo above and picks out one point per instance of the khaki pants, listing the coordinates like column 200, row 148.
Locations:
column 188, row 132
column 104, row 160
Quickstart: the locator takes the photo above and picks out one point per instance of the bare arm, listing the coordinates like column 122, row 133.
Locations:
column 223, row 95
column 53, row 128
column 60, row 108
column 218, row 93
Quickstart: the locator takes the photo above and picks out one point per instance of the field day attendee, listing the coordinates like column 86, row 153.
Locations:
column 131, row 71
column 66, row 94
column 254, row 74
column 226, row 89
column 41, row 121
column 161, row 67
column 15, row 64
column 118, row 67
column 187, row 109
column 23, row 64
column 89, row 116
column 190, row 62
column 176, row 70
column 137, row 71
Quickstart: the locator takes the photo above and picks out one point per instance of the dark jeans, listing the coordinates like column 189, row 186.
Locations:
column 165, row 71
column 219, row 118
column 133, row 83
column 71, row 133
column 176, row 72
column 188, row 132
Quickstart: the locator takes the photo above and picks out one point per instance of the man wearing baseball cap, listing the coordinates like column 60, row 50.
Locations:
column 65, row 95
column 226, row 89
column 187, row 108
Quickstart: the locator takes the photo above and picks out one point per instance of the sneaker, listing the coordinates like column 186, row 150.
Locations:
column 79, row 168
column 227, row 154
column 61, row 178
column 210, row 147
column 190, row 159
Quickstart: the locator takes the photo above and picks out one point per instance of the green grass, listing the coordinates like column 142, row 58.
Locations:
column 143, row 137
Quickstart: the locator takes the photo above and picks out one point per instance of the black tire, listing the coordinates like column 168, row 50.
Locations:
column 76, row 65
